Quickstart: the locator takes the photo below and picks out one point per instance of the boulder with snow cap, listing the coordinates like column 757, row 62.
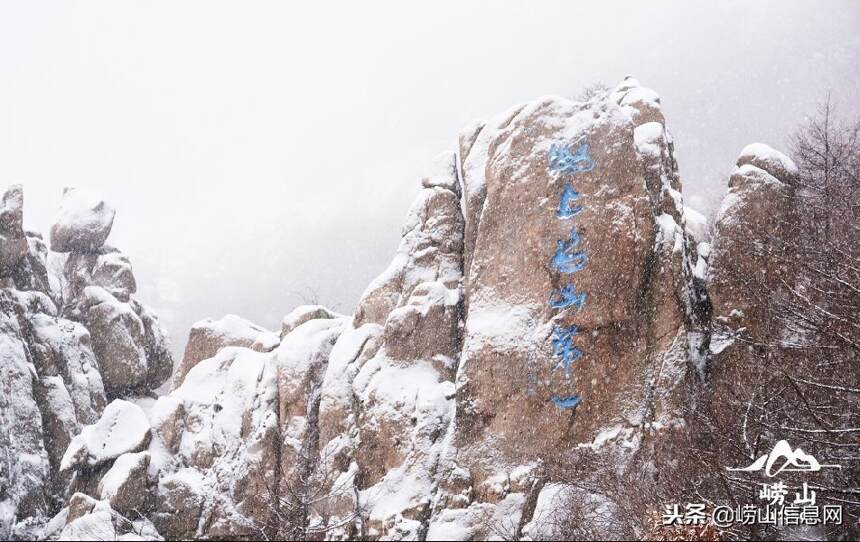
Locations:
column 757, row 205
column 209, row 336
column 122, row 428
column 83, row 223
column 126, row 485
column 769, row 159
column 302, row 314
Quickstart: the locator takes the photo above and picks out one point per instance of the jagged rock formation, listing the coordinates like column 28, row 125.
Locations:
column 553, row 312
column 65, row 352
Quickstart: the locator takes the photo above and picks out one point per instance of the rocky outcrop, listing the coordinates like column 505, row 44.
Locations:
column 97, row 289
column 754, row 216
column 13, row 242
column 64, row 352
column 209, row 336
column 439, row 405
column 552, row 323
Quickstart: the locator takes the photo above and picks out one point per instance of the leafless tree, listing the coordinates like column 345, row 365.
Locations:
column 595, row 90
column 793, row 372
column 316, row 498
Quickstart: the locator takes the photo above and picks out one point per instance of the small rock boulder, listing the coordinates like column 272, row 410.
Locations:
column 769, row 159
column 112, row 271
column 123, row 428
column 83, row 224
column 179, row 504
column 126, row 485
column 209, row 336
column 302, row 314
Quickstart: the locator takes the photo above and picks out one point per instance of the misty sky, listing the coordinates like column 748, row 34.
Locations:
column 256, row 150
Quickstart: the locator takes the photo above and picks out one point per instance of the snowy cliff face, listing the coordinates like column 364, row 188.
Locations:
column 64, row 352
column 544, row 320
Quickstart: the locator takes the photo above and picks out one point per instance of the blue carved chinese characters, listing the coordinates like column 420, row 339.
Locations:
column 563, row 348
column 566, row 260
column 567, row 296
column 569, row 258
column 566, row 208
column 561, row 159
column 566, row 402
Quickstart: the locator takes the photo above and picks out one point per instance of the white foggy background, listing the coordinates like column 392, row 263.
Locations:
column 254, row 150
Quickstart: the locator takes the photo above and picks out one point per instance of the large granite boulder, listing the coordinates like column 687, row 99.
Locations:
column 118, row 340
column 83, row 223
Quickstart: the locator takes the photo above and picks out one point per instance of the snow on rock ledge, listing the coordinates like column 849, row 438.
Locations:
column 774, row 162
column 122, row 428
column 302, row 314
column 209, row 336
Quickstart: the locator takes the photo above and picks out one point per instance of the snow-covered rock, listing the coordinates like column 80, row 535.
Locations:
column 429, row 412
column 118, row 337
column 430, row 250
column 696, row 225
column 13, row 242
column 112, row 271
column 63, row 347
column 217, row 446
column 126, row 484
column 769, row 159
column 83, row 223
column 441, row 409
column 442, row 172
column 52, row 326
column 25, row 469
column 302, row 314
column 757, row 205
column 122, row 428
column 91, row 522
column 208, row 336
column 89, row 519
